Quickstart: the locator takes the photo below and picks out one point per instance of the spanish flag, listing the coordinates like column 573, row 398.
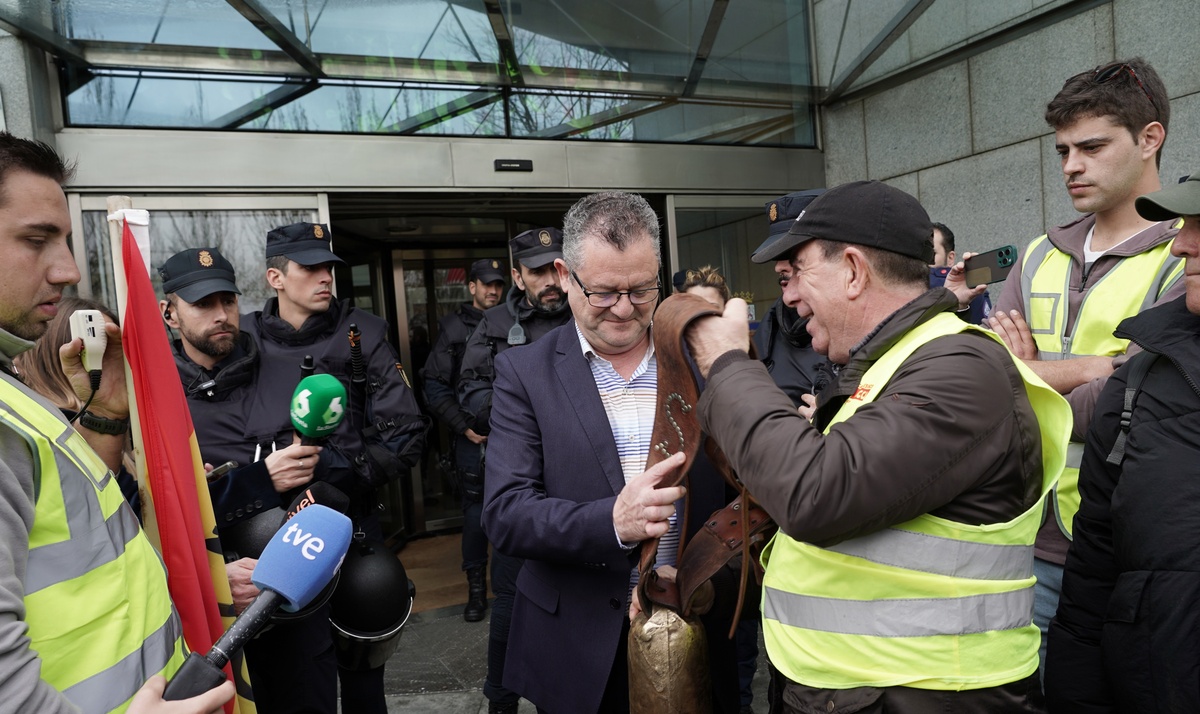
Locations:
column 169, row 466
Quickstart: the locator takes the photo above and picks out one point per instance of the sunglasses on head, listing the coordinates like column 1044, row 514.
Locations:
column 1108, row 73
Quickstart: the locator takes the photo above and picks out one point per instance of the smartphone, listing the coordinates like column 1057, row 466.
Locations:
column 220, row 471
column 990, row 267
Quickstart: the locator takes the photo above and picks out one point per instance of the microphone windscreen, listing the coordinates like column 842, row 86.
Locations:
column 319, row 493
column 304, row 555
column 318, row 405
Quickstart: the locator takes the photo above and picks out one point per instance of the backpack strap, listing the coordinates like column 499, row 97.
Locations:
column 1139, row 367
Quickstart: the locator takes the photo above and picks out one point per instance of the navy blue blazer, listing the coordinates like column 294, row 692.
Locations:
column 552, row 477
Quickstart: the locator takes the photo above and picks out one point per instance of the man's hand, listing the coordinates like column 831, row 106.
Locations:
column 474, row 438
column 1012, row 328
column 666, row 572
column 701, row 601
column 293, row 466
column 809, row 407
column 956, row 282
column 149, row 699
column 111, row 400
column 710, row 337
column 644, row 511
column 244, row 591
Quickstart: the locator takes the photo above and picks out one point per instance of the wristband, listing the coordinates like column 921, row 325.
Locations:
column 104, row 425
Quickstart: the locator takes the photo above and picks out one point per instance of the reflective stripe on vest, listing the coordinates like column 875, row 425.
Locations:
column 1066, row 491
column 97, row 606
column 929, row 603
column 1134, row 284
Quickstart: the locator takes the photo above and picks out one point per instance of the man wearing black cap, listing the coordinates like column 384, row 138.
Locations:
column 915, row 492
column 486, row 285
column 383, row 430
column 292, row 665
column 1124, row 639
column 781, row 341
column 535, row 305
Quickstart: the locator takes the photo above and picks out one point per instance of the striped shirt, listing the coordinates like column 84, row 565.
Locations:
column 630, row 406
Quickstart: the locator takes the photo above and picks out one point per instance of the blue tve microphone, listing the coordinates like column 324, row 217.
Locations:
column 302, row 557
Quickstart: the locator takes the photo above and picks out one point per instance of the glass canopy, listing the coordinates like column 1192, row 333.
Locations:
column 697, row 71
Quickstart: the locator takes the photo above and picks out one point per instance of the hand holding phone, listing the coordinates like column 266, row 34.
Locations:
column 990, row 267
column 89, row 325
column 220, row 471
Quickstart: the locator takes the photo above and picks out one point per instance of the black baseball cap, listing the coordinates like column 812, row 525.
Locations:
column 867, row 213
column 486, row 270
column 304, row 243
column 196, row 273
column 782, row 213
column 1182, row 199
column 537, row 247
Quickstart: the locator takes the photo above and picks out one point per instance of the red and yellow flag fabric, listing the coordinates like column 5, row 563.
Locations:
column 172, row 470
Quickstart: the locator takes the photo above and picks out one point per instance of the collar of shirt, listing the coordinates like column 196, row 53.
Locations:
column 590, row 354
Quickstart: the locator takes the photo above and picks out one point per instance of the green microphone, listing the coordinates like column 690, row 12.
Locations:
column 318, row 406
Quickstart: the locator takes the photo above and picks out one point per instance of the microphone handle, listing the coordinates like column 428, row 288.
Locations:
column 200, row 674
column 248, row 624
column 195, row 677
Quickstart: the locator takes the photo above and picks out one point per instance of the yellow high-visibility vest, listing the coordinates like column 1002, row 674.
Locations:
column 929, row 603
column 96, row 602
column 1132, row 285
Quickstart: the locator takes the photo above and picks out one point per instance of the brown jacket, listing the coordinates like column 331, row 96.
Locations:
column 952, row 434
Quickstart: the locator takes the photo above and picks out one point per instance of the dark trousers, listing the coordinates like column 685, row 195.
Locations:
column 504, row 586
column 788, row 697
column 292, row 667
column 362, row 691
column 474, row 540
column 746, row 638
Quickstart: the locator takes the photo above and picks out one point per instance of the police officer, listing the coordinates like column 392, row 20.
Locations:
column 383, row 430
column 782, row 343
column 486, row 284
column 292, row 666
column 535, row 305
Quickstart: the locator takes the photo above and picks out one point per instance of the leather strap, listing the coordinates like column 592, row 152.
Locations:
column 727, row 532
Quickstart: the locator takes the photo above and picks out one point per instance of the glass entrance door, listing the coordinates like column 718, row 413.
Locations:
column 722, row 231
column 435, row 284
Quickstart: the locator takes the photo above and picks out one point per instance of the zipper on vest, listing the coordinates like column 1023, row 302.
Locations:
column 1087, row 269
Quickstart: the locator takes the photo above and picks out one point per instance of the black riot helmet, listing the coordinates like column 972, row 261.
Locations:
column 370, row 606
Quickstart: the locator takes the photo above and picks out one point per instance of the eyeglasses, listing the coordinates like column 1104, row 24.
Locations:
column 641, row 296
column 1107, row 74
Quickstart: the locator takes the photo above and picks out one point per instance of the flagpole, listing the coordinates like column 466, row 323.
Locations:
column 167, row 456
column 121, row 287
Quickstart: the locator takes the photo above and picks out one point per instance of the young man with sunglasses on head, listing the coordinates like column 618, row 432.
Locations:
column 1072, row 286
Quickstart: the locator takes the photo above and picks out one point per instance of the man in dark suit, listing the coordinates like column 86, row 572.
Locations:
column 565, row 489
